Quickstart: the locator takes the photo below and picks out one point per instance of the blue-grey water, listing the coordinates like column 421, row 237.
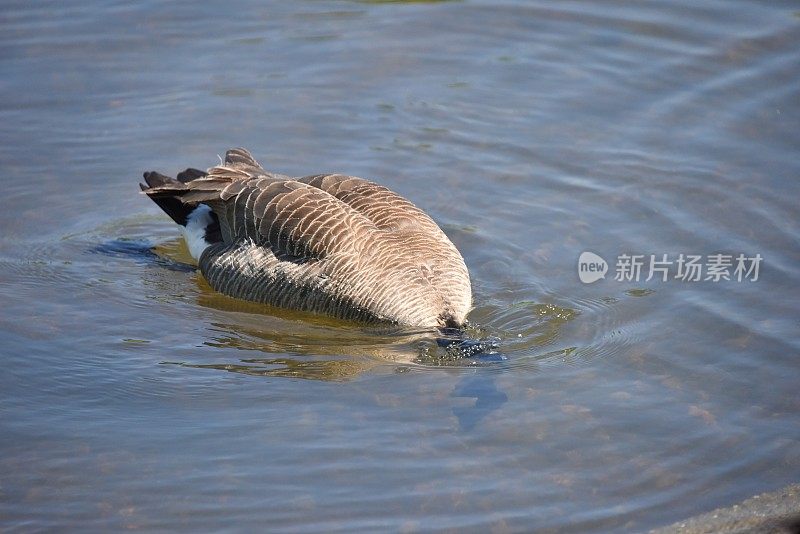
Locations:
column 134, row 397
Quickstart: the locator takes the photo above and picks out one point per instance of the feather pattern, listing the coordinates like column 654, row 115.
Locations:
column 328, row 243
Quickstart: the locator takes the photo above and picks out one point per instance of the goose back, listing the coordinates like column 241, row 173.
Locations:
column 326, row 243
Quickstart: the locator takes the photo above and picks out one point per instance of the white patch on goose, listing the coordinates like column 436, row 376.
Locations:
column 195, row 230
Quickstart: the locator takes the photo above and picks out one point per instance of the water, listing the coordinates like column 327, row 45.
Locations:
column 133, row 396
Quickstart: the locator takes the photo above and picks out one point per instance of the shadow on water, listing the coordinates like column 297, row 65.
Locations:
column 141, row 252
column 482, row 388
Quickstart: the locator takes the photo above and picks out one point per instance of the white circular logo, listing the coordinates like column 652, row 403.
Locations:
column 591, row 267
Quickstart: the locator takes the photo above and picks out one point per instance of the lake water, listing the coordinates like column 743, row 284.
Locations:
column 133, row 396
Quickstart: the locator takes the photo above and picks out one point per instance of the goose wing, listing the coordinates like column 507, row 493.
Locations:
column 293, row 219
column 386, row 209
column 430, row 251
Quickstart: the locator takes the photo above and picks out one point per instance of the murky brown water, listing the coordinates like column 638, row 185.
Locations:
column 133, row 396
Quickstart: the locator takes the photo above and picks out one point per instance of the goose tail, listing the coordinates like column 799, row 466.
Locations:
column 198, row 222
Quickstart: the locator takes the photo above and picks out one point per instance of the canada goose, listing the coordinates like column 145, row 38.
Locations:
column 326, row 243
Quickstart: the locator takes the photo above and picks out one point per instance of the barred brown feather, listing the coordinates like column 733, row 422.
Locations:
column 328, row 243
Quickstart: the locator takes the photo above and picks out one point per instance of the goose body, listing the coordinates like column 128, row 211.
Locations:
column 329, row 243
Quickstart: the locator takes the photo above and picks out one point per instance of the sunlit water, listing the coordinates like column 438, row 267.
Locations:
column 133, row 396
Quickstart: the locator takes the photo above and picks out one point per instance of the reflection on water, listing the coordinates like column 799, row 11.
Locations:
column 531, row 131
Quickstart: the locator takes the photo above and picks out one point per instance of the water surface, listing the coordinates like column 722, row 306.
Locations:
column 133, row 396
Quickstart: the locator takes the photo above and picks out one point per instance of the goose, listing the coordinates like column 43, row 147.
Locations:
column 325, row 243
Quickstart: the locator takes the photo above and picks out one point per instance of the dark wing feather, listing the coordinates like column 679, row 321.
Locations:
column 190, row 174
column 162, row 189
column 240, row 156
